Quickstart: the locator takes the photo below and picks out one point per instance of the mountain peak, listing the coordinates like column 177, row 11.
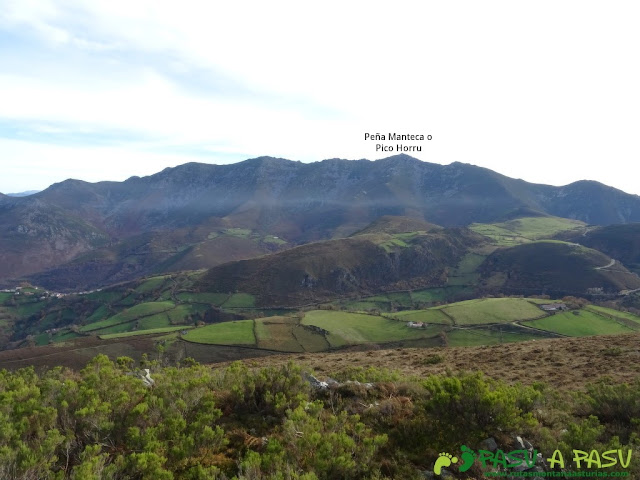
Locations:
column 401, row 157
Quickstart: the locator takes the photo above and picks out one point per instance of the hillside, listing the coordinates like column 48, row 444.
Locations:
column 157, row 252
column 621, row 242
column 529, row 229
column 360, row 265
column 271, row 198
column 35, row 234
column 553, row 268
column 397, row 224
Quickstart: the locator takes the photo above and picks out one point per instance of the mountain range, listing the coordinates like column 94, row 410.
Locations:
column 76, row 235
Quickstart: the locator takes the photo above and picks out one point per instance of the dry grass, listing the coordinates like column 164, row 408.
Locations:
column 564, row 363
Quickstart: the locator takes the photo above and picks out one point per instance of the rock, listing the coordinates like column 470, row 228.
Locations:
column 444, row 473
column 519, row 444
column 315, row 383
column 542, row 462
column 536, row 469
column 489, row 444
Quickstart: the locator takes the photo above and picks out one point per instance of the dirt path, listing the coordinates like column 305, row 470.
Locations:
column 610, row 264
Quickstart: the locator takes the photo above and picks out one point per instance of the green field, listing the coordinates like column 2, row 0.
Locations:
column 118, row 328
column 151, row 284
column 209, row 298
column 625, row 318
column 159, row 320
column 276, row 333
column 392, row 244
column 4, row 296
column 41, row 339
column 499, row 235
column 285, row 334
column 105, row 297
column 129, row 300
column 355, row 328
column 491, row 310
column 181, row 312
column 586, row 323
column 30, row 308
column 363, row 305
column 238, row 332
column 465, row 272
column 310, row 341
column 100, row 313
column 144, row 332
column 383, row 302
column 427, row 316
column 133, row 313
column 237, row 232
column 401, row 298
column 274, row 240
column 477, row 337
column 524, row 230
column 64, row 335
column 240, row 300
column 439, row 294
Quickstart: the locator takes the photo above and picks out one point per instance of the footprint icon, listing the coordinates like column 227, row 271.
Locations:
column 468, row 456
column 444, row 460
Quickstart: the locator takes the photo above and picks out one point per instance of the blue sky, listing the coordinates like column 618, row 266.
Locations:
column 103, row 90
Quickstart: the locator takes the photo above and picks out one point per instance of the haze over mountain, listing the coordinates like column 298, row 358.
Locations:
column 22, row 194
column 267, row 203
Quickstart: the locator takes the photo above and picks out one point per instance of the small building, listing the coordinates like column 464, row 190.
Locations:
column 554, row 307
column 415, row 324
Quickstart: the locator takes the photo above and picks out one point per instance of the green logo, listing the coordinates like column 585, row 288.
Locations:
column 444, row 460
column 468, row 456
column 526, row 459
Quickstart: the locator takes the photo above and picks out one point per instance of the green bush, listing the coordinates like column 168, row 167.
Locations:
column 467, row 408
column 199, row 423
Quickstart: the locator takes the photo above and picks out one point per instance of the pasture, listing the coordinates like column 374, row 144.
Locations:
column 239, row 332
column 580, row 323
column 491, row 310
column 355, row 328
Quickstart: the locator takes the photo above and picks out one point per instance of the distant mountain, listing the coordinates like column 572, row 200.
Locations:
column 23, row 194
column 274, row 202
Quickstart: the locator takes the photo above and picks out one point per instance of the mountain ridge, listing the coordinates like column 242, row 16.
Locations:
column 292, row 201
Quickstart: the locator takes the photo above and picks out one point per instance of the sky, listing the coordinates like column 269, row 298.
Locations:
column 546, row 91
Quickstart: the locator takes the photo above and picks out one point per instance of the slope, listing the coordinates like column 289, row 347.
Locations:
column 554, row 268
column 360, row 265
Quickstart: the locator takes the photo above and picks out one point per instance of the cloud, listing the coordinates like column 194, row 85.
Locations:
column 544, row 91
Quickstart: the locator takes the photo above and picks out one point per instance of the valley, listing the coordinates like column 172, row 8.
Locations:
column 76, row 235
column 396, row 281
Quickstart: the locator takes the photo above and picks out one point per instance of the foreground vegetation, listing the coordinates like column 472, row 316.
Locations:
column 245, row 423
